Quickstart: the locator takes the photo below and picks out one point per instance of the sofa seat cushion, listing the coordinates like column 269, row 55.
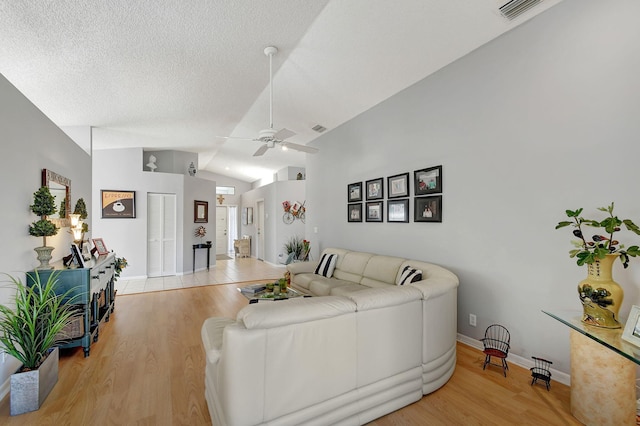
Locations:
column 322, row 286
column 347, row 289
column 304, row 280
column 211, row 333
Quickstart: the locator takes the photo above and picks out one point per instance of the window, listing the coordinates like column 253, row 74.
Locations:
column 225, row 190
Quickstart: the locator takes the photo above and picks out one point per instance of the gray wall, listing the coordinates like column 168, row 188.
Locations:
column 31, row 142
column 543, row 119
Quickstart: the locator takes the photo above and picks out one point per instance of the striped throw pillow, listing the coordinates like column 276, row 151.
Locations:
column 327, row 265
column 409, row 275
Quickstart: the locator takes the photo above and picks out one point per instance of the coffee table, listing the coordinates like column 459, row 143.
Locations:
column 258, row 292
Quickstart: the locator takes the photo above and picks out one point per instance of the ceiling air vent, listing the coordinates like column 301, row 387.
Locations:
column 318, row 128
column 515, row 8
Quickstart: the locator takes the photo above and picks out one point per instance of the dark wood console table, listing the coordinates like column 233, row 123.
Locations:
column 201, row 246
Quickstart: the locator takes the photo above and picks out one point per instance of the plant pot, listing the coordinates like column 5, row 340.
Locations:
column 30, row 389
column 44, row 256
column 601, row 297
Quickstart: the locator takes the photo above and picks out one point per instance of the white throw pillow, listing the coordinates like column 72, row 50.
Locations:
column 409, row 275
column 327, row 265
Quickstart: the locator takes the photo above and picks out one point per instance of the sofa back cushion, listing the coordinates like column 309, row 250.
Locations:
column 351, row 265
column 381, row 271
column 270, row 314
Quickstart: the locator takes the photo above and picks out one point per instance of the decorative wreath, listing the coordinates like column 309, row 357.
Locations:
column 201, row 231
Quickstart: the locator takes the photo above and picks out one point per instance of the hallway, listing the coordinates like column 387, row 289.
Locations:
column 224, row 272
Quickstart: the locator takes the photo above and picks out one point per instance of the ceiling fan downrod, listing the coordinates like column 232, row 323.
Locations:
column 270, row 51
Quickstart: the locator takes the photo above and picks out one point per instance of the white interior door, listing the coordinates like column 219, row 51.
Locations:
column 259, row 219
column 222, row 229
column 232, row 226
column 161, row 234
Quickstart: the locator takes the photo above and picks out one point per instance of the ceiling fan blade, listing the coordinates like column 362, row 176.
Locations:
column 236, row 138
column 261, row 150
column 298, row 147
column 283, row 134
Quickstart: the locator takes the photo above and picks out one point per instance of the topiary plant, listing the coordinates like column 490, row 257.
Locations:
column 81, row 209
column 44, row 204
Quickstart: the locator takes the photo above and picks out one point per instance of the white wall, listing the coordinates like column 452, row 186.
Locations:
column 275, row 231
column 30, row 143
column 543, row 119
column 119, row 169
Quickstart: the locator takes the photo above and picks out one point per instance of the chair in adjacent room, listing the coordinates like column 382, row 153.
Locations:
column 496, row 344
column 540, row 370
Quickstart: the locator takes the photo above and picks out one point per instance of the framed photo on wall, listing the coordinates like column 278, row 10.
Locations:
column 427, row 209
column 398, row 210
column 375, row 189
column 375, row 211
column 354, row 212
column 118, row 204
column 200, row 211
column 428, row 181
column 354, row 192
column 398, row 186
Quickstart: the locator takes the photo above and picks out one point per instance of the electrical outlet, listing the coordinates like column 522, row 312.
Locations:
column 472, row 320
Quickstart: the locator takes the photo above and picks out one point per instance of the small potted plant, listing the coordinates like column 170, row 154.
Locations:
column 29, row 330
column 601, row 297
column 43, row 206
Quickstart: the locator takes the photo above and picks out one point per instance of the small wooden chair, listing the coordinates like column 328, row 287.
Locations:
column 540, row 370
column 496, row 344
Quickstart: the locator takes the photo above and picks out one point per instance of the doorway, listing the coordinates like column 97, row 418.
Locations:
column 260, row 230
column 232, row 226
column 161, row 234
column 222, row 238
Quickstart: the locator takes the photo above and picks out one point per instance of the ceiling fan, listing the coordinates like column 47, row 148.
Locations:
column 271, row 137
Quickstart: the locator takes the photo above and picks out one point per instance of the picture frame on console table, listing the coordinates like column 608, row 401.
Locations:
column 427, row 209
column 631, row 331
column 77, row 255
column 101, row 248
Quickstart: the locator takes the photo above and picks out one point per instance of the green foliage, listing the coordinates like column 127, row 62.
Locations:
column 43, row 228
column 63, row 208
column 121, row 263
column 81, row 209
column 34, row 326
column 44, row 204
column 297, row 246
column 589, row 250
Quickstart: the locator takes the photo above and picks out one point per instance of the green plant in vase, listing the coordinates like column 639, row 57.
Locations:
column 601, row 297
column 43, row 206
column 29, row 330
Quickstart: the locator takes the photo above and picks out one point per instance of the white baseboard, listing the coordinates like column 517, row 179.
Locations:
column 518, row 360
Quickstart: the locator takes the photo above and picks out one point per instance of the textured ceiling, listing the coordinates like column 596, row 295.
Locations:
column 179, row 74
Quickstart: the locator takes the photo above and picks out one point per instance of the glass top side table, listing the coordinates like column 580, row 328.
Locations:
column 603, row 372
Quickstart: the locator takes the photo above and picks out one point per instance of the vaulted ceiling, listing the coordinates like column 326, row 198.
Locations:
column 182, row 74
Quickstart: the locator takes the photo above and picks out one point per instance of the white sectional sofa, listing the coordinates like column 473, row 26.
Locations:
column 363, row 349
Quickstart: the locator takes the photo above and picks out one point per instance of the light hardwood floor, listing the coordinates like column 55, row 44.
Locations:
column 148, row 369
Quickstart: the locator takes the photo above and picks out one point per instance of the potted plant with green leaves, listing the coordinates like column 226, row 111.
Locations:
column 29, row 330
column 600, row 295
column 43, row 206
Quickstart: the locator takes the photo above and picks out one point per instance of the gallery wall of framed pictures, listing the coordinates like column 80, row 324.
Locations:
column 427, row 198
